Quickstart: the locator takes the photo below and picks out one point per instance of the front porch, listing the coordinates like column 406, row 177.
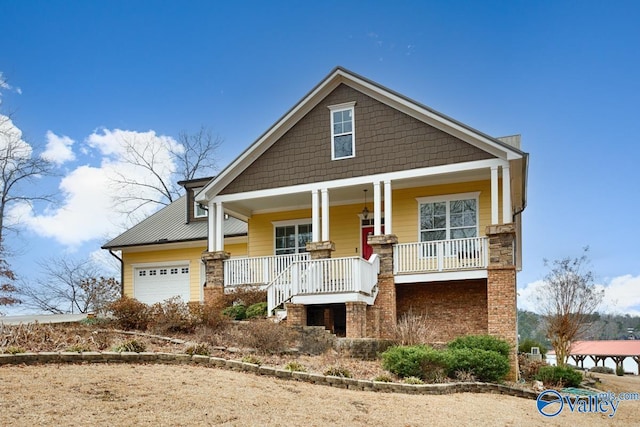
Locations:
column 298, row 279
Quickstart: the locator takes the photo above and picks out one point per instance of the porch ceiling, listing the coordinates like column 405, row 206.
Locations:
column 354, row 194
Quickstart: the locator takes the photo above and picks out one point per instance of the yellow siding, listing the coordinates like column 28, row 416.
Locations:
column 192, row 255
column 405, row 206
column 344, row 226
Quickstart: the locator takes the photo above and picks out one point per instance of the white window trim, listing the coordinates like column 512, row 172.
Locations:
column 195, row 211
column 295, row 222
column 448, row 198
column 343, row 107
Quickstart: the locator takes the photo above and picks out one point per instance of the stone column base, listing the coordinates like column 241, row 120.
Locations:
column 320, row 250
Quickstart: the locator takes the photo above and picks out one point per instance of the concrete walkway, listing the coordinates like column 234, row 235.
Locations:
column 42, row 318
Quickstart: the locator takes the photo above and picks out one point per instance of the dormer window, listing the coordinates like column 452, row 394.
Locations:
column 343, row 134
column 199, row 211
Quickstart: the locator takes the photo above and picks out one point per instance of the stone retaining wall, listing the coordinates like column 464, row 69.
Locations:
column 236, row 365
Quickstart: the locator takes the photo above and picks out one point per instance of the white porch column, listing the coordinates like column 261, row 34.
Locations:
column 315, row 216
column 325, row 214
column 506, row 195
column 387, row 208
column 377, row 214
column 219, row 245
column 494, row 195
column 211, row 222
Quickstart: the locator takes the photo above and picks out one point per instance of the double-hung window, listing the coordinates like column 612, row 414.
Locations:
column 448, row 217
column 292, row 238
column 343, row 135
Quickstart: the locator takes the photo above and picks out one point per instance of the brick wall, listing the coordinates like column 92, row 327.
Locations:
column 453, row 308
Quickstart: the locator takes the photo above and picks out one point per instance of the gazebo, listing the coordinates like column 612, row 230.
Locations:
column 617, row 350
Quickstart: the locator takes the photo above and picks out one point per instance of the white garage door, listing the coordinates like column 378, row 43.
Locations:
column 156, row 284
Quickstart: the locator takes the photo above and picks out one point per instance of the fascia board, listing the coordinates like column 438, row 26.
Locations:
column 370, row 88
column 360, row 180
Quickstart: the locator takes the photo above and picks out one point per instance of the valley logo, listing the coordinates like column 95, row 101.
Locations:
column 551, row 403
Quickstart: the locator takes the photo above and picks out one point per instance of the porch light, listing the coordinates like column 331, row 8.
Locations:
column 365, row 211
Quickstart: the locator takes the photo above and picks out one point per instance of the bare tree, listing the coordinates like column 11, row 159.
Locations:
column 70, row 286
column 163, row 162
column 20, row 168
column 568, row 299
column 8, row 290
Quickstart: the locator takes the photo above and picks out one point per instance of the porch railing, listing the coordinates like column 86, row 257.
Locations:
column 258, row 270
column 324, row 276
column 441, row 255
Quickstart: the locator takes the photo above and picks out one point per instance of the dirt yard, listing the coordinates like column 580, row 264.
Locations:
column 120, row 394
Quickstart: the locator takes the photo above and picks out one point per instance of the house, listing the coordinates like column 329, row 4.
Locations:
column 361, row 205
column 162, row 255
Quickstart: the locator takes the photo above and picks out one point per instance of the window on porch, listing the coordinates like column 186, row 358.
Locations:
column 448, row 217
column 292, row 239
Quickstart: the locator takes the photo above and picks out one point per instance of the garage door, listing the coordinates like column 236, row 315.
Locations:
column 156, row 284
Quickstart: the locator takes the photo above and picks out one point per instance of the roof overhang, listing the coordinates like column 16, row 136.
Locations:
column 339, row 76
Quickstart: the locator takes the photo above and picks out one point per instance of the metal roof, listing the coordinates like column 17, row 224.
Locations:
column 606, row 348
column 169, row 225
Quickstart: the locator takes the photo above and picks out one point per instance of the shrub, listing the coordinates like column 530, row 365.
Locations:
column 559, row 376
column 413, row 380
column 14, row 350
column 383, row 379
column 132, row 346
column 266, row 336
column 483, row 342
column 172, row 315
column 199, row 349
column 130, row 313
column 235, row 312
column 619, row 371
column 209, row 315
column 246, row 295
column 252, row 359
column 78, row 348
column 413, row 329
column 602, row 370
column 258, row 309
column 484, row 365
column 295, row 367
column 525, row 346
column 338, row 371
column 529, row 368
column 414, row 361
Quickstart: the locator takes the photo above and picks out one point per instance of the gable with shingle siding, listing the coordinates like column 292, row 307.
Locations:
column 387, row 140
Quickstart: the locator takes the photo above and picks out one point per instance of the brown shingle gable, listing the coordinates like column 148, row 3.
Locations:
column 387, row 140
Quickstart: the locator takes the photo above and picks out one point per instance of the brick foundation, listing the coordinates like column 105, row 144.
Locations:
column 356, row 319
column 452, row 308
column 296, row 314
column 386, row 299
column 501, row 289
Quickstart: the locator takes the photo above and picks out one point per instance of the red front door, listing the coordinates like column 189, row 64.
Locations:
column 367, row 250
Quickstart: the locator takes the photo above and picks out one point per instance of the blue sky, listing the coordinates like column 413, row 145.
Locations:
column 562, row 74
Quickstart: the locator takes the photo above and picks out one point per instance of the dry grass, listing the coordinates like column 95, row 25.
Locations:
column 70, row 395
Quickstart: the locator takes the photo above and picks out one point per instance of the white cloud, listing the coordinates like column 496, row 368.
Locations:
column 87, row 210
column 58, row 149
column 621, row 295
